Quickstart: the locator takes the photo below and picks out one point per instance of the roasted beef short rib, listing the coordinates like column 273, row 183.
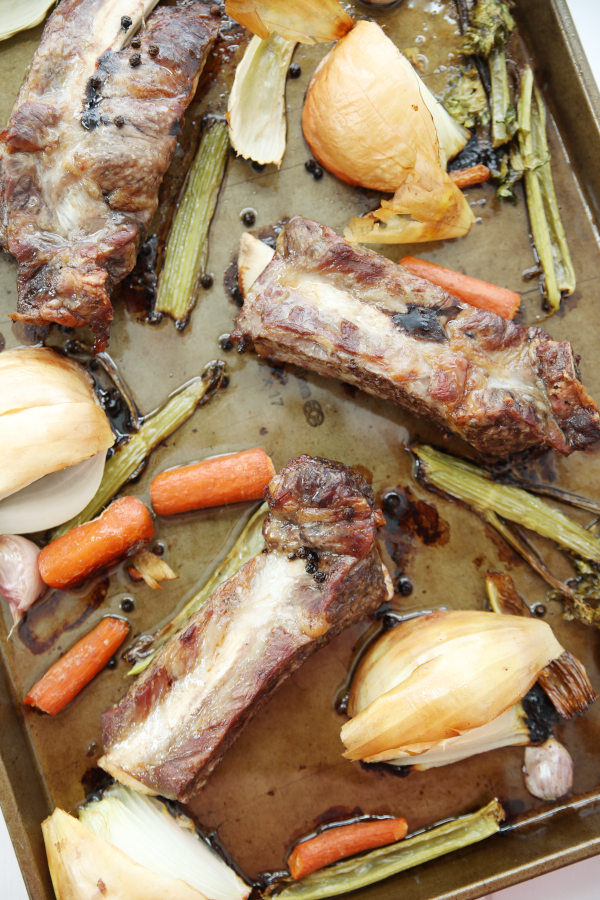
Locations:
column 348, row 313
column 320, row 572
column 90, row 137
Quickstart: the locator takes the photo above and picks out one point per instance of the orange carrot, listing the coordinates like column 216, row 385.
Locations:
column 341, row 841
column 122, row 528
column 478, row 293
column 69, row 674
column 463, row 178
column 213, row 482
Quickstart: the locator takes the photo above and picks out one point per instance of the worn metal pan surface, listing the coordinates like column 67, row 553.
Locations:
column 285, row 774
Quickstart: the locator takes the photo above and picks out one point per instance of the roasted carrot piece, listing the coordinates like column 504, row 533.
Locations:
column 69, row 674
column 477, row 293
column 123, row 526
column 463, row 178
column 341, row 841
column 213, row 482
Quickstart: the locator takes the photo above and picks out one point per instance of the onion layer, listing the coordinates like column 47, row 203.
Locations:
column 370, row 120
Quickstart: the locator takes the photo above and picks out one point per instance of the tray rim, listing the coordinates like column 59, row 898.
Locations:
column 20, row 762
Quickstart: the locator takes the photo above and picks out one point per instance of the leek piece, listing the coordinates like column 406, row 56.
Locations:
column 473, row 485
column 546, row 225
column 129, row 457
column 187, row 248
column 360, row 871
column 256, row 108
column 249, row 544
column 144, row 829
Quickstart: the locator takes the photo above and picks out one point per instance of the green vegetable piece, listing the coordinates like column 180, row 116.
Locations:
column 249, row 544
column 187, row 248
column 368, row 868
column 128, row 458
column 465, row 99
column 546, row 225
column 490, row 25
column 473, row 486
column 504, row 119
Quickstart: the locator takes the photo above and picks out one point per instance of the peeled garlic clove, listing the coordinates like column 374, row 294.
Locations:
column 20, row 581
column 548, row 770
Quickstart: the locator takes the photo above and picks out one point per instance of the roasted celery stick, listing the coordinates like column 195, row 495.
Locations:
column 249, row 543
column 130, row 456
column 187, row 248
column 546, row 225
column 474, row 486
column 368, row 868
column 504, row 119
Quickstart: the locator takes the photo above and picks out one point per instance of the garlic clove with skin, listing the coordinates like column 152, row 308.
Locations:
column 20, row 580
column 548, row 770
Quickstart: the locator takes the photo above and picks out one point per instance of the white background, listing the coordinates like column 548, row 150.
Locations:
column 577, row 882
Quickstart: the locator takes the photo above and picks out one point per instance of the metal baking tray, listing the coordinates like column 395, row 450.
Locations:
column 285, row 774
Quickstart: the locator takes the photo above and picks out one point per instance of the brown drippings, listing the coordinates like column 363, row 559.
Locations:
column 138, row 290
column 49, row 619
column 407, row 518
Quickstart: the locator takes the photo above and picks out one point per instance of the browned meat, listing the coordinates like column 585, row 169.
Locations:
column 348, row 313
column 87, row 144
column 320, row 573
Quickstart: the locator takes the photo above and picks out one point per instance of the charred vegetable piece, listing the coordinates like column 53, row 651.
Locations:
column 186, row 252
column 130, row 456
column 369, row 868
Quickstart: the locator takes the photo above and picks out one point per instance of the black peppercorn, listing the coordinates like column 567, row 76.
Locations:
column 248, row 216
column 404, row 586
column 126, row 22
column 320, row 577
column 119, row 121
column 136, row 43
column 225, row 342
column 312, row 166
column 153, row 50
column 135, row 60
column 112, row 663
column 207, row 280
column 294, row 71
column 127, row 604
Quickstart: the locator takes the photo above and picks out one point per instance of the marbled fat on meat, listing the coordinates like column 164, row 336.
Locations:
column 346, row 312
column 320, row 573
column 90, row 137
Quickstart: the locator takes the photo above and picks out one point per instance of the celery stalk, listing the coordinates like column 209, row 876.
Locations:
column 249, row 544
column 130, row 456
column 187, row 249
column 546, row 225
column 504, row 122
column 472, row 485
column 368, row 868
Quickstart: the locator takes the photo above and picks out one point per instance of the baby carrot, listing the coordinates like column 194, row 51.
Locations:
column 473, row 175
column 341, row 841
column 213, row 482
column 122, row 528
column 69, row 674
column 478, row 293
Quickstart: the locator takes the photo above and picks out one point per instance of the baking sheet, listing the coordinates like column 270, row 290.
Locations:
column 285, row 774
